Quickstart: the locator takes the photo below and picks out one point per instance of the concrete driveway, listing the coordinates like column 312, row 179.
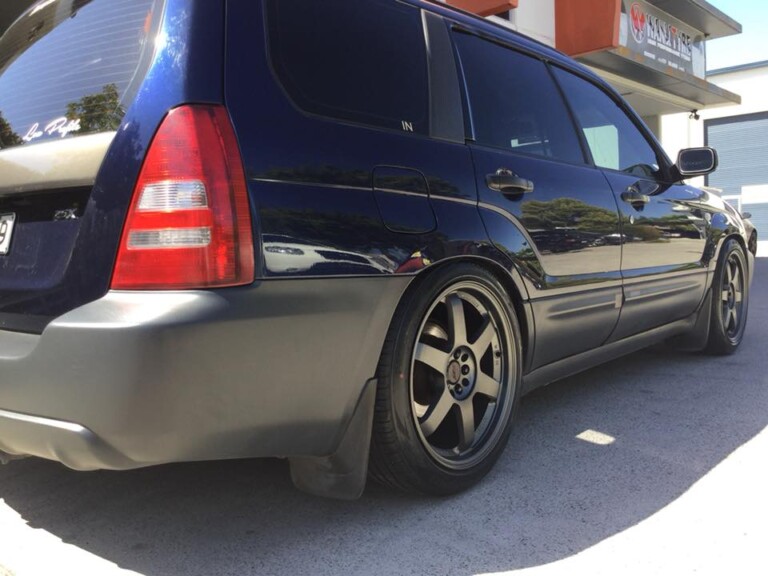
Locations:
column 654, row 464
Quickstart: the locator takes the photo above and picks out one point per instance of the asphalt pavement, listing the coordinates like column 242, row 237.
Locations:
column 653, row 464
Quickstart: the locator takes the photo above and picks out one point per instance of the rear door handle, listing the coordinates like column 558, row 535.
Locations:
column 507, row 182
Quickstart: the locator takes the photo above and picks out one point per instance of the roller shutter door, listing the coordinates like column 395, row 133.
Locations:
column 742, row 144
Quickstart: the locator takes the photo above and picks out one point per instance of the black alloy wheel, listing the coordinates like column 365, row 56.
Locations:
column 730, row 300
column 449, row 382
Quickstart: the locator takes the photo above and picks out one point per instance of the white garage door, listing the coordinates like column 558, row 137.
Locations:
column 742, row 144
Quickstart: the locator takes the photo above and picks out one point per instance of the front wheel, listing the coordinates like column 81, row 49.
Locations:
column 449, row 383
column 730, row 301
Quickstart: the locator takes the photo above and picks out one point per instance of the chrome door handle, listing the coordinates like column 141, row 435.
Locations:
column 507, row 182
column 635, row 198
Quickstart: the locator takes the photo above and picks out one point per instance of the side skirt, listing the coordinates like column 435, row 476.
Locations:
column 586, row 360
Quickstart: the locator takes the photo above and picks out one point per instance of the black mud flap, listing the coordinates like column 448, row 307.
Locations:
column 696, row 339
column 343, row 474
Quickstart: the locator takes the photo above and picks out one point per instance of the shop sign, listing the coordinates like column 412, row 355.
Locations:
column 646, row 30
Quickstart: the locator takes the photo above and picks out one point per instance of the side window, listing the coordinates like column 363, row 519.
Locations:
column 360, row 61
column 515, row 103
column 613, row 139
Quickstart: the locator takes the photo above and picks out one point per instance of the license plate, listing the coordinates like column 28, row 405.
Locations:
column 6, row 230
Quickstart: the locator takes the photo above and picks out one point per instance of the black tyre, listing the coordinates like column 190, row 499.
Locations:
column 448, row 383
column 730, row 301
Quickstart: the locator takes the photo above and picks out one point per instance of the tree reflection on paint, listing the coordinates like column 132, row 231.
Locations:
column 568, row 213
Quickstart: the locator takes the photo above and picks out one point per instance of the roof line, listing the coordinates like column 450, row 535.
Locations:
column 738, row 68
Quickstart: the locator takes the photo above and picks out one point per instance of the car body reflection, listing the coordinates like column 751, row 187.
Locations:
column 286, row 255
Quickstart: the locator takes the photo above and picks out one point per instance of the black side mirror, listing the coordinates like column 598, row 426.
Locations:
column 696, row 162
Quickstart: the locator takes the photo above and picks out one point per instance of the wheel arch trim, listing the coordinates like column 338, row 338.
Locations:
column 512, row 281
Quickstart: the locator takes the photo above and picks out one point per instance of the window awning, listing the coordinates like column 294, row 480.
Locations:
column 686, row 91
column 484, row 7
column 656, row 46
column 701, row 15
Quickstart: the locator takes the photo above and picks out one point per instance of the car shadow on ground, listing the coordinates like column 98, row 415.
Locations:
column 673, row 416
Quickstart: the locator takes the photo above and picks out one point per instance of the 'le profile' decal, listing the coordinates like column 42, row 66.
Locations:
column 60, row 126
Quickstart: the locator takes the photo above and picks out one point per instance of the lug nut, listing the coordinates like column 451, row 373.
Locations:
column 465, row 370
column 458, row 389
column 465, row 357
column 464, row 382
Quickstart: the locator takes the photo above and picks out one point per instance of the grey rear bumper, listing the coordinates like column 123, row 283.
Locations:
column 140, row 378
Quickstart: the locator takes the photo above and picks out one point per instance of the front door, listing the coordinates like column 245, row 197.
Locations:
column 663, row 231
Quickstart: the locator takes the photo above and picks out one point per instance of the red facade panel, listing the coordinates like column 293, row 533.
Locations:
column 484, row 7
column 584, row 26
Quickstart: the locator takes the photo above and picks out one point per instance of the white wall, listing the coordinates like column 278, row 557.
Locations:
column 537, row 20
column 534, row 18
column 678, row 131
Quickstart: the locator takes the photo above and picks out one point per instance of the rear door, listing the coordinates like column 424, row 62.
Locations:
column 555, row 223
column 663, row 229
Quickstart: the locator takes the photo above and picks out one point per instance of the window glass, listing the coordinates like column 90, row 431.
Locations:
column 613, row 139
column 67, row 68
column 514, row 101
column 359, row 61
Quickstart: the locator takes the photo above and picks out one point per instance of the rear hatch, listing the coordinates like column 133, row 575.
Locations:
column 69, row 70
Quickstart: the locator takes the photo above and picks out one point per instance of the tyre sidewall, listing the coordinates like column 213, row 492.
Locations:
column 426, row 470
column 719, row 341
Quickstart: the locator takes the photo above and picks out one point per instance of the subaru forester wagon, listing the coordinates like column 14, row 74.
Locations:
column 347, row 233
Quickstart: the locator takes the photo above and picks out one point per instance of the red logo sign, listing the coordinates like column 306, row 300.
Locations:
column 637, row 22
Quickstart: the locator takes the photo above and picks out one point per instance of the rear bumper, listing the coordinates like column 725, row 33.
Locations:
column 71, row 444
column 140, row 378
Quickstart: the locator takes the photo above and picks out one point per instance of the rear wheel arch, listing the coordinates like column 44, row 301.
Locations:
column 413, row 450
column 510, row 280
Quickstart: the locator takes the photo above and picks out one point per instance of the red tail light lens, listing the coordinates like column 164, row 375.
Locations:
column 189, row 224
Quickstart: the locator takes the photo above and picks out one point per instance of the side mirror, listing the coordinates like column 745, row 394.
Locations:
column 696, row 162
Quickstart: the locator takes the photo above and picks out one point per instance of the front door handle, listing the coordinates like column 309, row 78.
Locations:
column 507, row 182
column 635, row 198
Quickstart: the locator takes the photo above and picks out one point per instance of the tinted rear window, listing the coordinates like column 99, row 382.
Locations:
column 363, row 61
column 70, row 68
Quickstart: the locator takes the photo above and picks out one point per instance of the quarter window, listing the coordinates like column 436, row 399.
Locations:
column 613, row 138
column 515, row 103
column 360, row 61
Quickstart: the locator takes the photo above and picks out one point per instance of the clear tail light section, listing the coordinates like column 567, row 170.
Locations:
column 189, row 223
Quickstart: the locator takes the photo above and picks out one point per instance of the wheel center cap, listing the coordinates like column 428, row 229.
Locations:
column 454, row 372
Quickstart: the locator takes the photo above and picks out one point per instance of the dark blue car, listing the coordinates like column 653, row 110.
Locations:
column 350, row 234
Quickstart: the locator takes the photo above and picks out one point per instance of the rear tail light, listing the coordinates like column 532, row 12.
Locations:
column 189, row 224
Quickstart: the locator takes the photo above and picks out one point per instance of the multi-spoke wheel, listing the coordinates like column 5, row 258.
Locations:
column 730, row 301
column 448, row 383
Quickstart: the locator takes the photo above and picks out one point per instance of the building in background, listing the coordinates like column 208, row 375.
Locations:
column 740, row 135
column 652, row 51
